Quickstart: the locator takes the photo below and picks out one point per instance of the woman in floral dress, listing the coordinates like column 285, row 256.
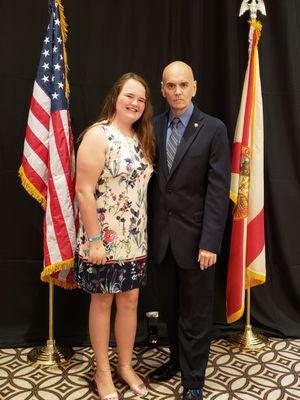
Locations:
column 114, row 165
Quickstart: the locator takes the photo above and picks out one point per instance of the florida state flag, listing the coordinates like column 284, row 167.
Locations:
column 247, row 265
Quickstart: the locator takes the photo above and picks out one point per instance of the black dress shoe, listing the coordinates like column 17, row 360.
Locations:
column 165, row 371
column 192, row 394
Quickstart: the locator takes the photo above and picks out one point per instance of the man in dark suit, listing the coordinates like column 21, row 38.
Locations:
column 188, row 209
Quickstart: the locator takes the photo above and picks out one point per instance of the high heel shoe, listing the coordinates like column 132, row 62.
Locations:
column 139, row 390
column 110, row 396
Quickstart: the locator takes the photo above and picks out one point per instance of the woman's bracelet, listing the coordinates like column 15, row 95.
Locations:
column 95, row 238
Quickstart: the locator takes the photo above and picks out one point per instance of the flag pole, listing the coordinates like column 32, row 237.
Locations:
column 50, row 355
column 249, row 340
column 48, row 154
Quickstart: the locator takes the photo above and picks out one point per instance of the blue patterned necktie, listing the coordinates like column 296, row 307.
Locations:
column 173, row 142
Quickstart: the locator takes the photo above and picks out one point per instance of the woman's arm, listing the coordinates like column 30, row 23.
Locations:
column 90, row 163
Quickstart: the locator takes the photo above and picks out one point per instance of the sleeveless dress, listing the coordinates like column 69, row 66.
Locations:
column 121, row 196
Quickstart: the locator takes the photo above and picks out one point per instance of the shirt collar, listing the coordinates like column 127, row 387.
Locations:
column 184, row 118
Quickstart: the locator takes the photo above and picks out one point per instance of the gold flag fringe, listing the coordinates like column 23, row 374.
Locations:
column 237, row 315
column 255, row 279
column 64, row 33
column 31, row 189
column 233, row 197
column 57, row 267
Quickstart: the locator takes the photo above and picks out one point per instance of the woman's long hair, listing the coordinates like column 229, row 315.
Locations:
column 143, row 126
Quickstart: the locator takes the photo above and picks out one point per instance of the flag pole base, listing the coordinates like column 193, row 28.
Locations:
column 248, row 340
column 50, row 355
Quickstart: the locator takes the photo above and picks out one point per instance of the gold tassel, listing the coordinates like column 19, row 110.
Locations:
column 64, row 33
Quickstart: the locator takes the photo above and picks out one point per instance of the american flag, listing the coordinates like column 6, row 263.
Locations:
column 47, row 170
column 247, row 261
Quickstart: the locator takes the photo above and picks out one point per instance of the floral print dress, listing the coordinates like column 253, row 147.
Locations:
column 121, row 195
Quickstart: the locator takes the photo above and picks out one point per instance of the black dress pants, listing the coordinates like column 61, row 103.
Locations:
column 186, row 297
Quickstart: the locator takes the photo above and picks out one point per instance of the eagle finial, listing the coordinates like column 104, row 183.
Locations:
column 253, row 6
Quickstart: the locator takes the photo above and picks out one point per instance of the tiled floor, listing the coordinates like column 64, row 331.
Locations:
column 273, row 374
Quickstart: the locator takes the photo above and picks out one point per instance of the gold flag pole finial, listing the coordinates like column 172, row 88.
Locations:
column 253, row 6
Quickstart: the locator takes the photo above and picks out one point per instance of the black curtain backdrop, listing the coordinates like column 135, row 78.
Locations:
column 106, row 39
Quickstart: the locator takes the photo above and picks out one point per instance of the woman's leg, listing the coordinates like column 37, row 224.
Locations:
column 99, row 329
column 125, row 331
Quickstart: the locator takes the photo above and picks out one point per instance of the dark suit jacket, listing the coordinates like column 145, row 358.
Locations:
column 188, row 206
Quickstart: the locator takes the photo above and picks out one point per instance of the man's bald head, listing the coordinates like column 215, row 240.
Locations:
column 178, row 86
column 178, row 67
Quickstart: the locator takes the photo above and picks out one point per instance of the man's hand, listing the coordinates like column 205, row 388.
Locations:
column 206, row 259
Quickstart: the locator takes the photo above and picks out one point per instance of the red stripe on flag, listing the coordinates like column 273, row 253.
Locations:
column 64, row 150
column 71, row 140
column 72, row 175
column 235, row 278
column 34, row 177
column 255, row 238
column 37, row 146
column 59, row 223
column 236, row 157
column 62, row 146
column 40, row 114
column 47, row 259
column 71, row 145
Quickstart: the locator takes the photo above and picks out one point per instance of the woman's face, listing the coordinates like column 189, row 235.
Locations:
column 131, row 101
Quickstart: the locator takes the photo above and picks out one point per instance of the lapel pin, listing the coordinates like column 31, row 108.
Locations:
column 196, row 125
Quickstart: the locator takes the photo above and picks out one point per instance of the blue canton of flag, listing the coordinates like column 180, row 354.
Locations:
column 51, row 71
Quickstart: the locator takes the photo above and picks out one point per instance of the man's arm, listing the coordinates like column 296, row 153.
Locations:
column 216, row 198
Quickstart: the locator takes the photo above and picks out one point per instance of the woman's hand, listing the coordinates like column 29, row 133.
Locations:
column 97, row 253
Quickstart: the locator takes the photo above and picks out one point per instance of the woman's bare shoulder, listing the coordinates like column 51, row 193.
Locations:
column 95, row 135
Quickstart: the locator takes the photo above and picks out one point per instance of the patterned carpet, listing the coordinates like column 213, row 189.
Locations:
column 273, row 374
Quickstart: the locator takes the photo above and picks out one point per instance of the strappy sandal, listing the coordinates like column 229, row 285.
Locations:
column 139, row 390
column 110, row 396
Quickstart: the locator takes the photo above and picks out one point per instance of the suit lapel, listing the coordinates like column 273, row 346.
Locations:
column 194, row 126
